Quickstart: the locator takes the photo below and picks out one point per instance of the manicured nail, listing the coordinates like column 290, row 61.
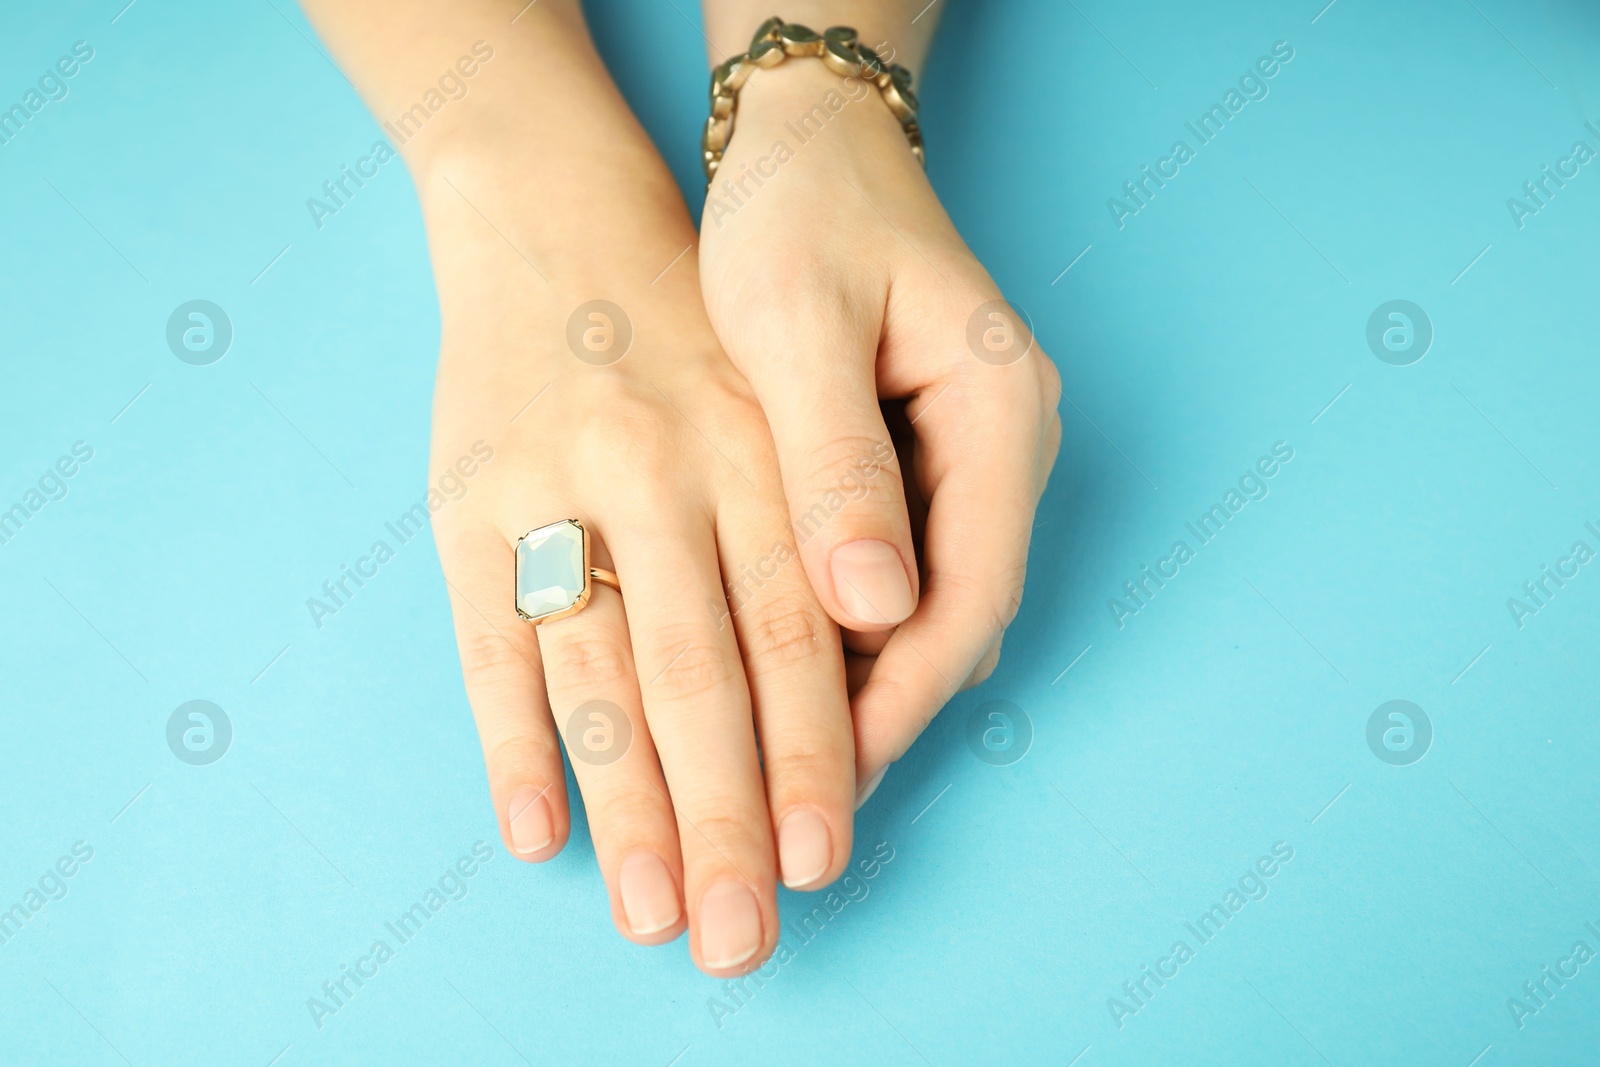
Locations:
column 805, row 847
column 532, row 827
column 730, row 925
column 869, row 578
column 649, row 895
column 868, row 787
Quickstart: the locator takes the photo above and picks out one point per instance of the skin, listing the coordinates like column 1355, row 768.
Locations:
column 663, row 454
column 838, row 285
column 540, row 192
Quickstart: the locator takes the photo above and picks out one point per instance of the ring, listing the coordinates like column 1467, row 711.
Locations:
column 554, row 576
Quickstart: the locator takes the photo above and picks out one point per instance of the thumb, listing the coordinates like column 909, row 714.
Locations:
column 841, row 476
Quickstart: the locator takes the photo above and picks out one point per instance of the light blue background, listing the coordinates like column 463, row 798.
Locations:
column 1221, row 719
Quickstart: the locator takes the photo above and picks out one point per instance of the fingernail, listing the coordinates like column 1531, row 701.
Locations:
column 649, row 895
column 805, row 847
column 867, row 788
column 730, row 925
column 532, row 828
column 869, row 578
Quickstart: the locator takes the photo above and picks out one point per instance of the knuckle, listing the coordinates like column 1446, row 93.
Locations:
column 649, row 448
column 998, row 596
column 802, row 293
column 632, row 439
column 893, row 712
column 486, row 656
column 986, row 667
column 785, row 632
column 1013, row 578
column 693, row 667
column 853, row 467
column 586, row 663
column 519, row 752
column 627, row 814
column 618, row 424
column 923, row 720
column 735, row 421
column 1050, row 377
column 796, row 761
column 712, row 822
column 851, row 451
column 1049, row 450
column 792, row 288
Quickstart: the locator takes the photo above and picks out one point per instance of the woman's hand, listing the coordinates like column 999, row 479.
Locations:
column 542, row 195
column 665, row 457
column 836, row 280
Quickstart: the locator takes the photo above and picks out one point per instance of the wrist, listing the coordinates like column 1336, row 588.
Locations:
column 489, row 232
column 577, row 193
column 516, row 263
column 803, row 99
column 541, row 125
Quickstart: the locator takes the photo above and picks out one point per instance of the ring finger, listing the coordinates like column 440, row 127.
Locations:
column 594, row 697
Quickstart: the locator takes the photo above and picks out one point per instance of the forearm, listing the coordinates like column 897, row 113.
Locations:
column 537, row 125
column 900, row 29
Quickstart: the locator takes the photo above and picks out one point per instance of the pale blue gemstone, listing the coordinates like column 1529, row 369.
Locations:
column 550, row 574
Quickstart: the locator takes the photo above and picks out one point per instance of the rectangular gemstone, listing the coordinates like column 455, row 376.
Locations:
column 550, row 571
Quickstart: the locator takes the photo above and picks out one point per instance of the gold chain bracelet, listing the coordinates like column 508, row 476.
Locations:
column 838, row 48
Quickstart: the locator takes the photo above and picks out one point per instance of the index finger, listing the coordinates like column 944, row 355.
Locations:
column 984, row 479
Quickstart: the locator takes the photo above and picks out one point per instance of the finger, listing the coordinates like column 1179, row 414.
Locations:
column 902, row 435
column 594, row 695
column 985, row 665
column 980, row 519
column 697, row 705
column 795, row 667
column 813, row 369
column 505, row 686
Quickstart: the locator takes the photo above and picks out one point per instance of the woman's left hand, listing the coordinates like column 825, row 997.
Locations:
column 836, row 282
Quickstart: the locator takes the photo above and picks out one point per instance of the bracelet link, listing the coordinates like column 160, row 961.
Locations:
column 797, row 40
column 766, row 32
column 841, row 51
column 841, row 59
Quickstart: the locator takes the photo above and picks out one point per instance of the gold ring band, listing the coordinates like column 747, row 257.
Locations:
column 605, row 577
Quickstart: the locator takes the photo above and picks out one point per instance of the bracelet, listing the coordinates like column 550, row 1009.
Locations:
column 838, row 48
